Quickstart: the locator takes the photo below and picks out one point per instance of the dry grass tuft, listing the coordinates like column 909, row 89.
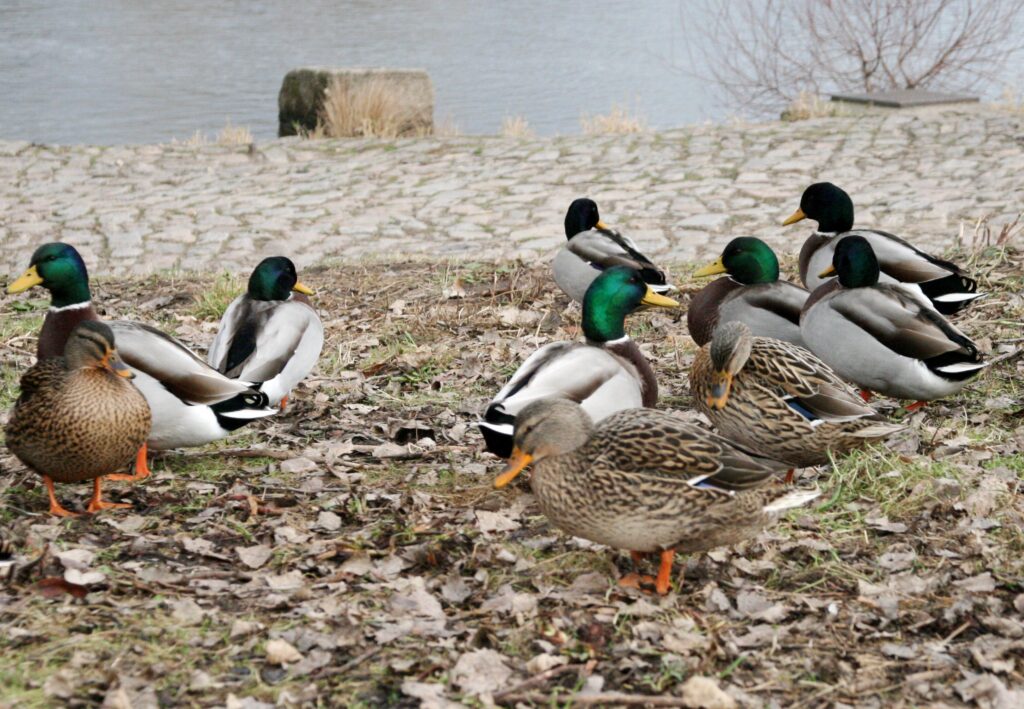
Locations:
column 809, row 105
column 1010, row 101
column 234, row 135
column 617, row 122
column 516, row 127
column 375, row 107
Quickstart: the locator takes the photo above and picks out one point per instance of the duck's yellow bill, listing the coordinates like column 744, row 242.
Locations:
column 721, row 385
column 602, row 225
column 516, row 464
column 302, row 288
column 658, row 300
column 830, row 271
column 28, row 279
column 795, row 217
column 711, row 269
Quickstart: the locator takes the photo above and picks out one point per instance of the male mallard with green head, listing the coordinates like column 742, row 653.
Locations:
column 192, row 403
column 779, row 399
column 880, row 337
column 644, row 481
column 593, row 247
column 605, row 374
column 267, row 336
column 941, row 283
column 78, row 417
column 751, row 293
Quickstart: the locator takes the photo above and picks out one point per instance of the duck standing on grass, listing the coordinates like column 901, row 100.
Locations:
column 882, row 338
column 192, row 403
column 605, row 374
column 751, row 293
column 593, row 247
column 779, row 399
column 644, row 481
column 78, row 417
column 940, row 283
column 267, row 336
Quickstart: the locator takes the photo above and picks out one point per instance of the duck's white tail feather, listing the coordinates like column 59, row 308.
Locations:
column 880, row 430
column 797, row 498
column 961, row 367
column 249, row 413
column 958, row 297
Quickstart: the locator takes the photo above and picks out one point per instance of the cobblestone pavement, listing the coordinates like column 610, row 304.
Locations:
column 681, row 194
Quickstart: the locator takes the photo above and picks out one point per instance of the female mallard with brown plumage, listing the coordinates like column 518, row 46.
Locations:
column 644, row 480
column 192, row 403
column 779, row 399
column 78, row 417
column 882, row 338
column 940, row 283
column 751, row 293
column 605, row 374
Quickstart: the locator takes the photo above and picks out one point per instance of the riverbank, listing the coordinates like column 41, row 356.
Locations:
column 681, row 194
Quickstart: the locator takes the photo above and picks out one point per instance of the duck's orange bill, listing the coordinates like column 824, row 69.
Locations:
column 516, row 464
column 795, row 217
column 830, row 271
column 302, row 288
column 116, row 365
column 721, row 384
column 602, row 225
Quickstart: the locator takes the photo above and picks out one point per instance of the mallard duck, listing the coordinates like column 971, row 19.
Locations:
column 643, row 480
column 881, row 338
column 592, row 247
column 192, row 403
column 266, row 336
column 752, row 293
column 941, row 283
column 779, row 399
column 78, row 417
column 605, row 374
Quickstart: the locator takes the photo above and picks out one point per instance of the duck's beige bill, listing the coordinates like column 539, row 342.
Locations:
column 795, row 217
column 711, row 269
column 302, row 288
column 658, row 300
column 28, row 279
column 830, row 271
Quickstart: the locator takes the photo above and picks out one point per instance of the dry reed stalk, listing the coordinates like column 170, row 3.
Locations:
column 618, row 121
column 375, row 107
column 516, row 127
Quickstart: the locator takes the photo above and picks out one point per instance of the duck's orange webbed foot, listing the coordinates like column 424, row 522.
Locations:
column 96, row 504
column 637, row 581
column 55, row 506
column 916, row 406
column 141, row 468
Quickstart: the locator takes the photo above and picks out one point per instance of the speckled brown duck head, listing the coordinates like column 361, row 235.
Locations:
column 91, row 346
column 545, row 428
column 59, row 268
column 730, row 350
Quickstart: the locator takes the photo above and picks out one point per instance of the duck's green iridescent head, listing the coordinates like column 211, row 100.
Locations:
column 582, row 216
column 58, row 268
column 747, row 259
column 275, row 279
column 826, row 204
column 855, row 262
column 613, row 295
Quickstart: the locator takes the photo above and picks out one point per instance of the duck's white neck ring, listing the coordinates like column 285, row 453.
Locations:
column 622, row 340
column 74, row 306
column 827, row 234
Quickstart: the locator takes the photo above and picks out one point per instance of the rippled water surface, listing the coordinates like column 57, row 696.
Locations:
column 117, row 71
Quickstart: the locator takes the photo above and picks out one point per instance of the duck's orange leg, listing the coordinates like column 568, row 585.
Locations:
column 790, row 475
column 916, row 406
column 664, row 580
column 55, row 507
column 96, row 504
column 865, row 395
column 284, row 403
column 141, row 468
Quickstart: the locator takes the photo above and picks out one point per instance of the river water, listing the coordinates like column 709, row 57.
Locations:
column 132, row 71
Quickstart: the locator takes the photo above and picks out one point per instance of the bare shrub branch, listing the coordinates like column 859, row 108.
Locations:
column 763, row 53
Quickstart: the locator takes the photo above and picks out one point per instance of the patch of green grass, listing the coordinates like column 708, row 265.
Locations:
column 215, row 299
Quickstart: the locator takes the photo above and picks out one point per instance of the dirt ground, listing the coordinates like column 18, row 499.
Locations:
column 352, row 551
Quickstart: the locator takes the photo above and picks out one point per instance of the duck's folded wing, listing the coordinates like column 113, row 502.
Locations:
column 172, row 364
column 229, row 324
column 903, row 261
column 287, row 346
column 806, row 382
column 570, row 370
column 901, row 323
column 606, row 248
column 657, row 444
